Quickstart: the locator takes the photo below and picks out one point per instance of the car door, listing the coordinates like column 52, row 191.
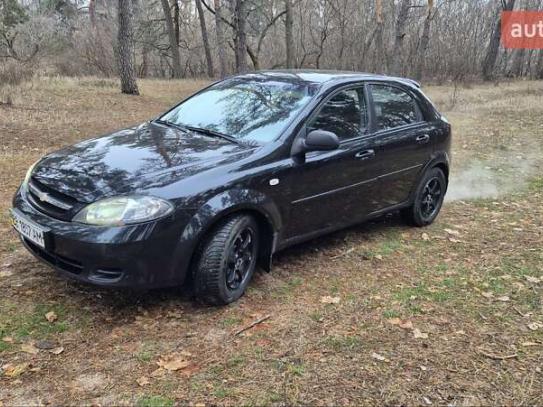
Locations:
column 330, row 189
column 402, row 142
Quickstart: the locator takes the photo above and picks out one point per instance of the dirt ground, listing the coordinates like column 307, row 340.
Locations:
column 377, row 314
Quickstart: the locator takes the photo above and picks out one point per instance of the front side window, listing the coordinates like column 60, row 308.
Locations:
column 251, row 110
column 344, row 114
column 393, row 107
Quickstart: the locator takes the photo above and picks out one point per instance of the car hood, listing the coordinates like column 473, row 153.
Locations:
column 131, row 160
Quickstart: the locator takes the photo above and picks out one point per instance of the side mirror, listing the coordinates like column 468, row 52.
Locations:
column 316, row 140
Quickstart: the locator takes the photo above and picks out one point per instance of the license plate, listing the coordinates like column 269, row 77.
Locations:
column 32, row 231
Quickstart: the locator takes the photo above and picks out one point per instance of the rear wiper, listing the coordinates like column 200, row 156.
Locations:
column 213, row 133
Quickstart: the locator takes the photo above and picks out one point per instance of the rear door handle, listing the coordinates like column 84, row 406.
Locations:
column 365, row 154
column 423, row 139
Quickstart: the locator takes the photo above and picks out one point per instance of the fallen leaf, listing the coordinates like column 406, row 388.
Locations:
column 330, row 300
column 453, row 240
column 173, row 363
column 8, row 339
column 419, row 335
column 425, row 237
column 534, row 326
column 423, row 368
column 51, row 316
column 158, row 372
column 504, row 298
column 531, row 279
column 143, row 381
column 15, row 370
column 530, row 344
column 406, row 325
column 379, row 257
column 378, row 357
column 487, row 294
column 29, row 348
column 452, row 232
column 394, row 321
column 57, row 351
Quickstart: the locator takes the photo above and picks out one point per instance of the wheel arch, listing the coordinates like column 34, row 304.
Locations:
column 440, row 161
column 222, row 206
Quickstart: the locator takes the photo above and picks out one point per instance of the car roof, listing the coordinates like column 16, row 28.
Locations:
column 323, row 76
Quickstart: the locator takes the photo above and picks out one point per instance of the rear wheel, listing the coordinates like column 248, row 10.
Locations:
column 428, row 199
column 226, row 260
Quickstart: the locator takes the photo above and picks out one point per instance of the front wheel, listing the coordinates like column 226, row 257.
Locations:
column 428, row 199
column 226, row 260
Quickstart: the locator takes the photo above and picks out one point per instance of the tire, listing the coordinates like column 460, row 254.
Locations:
column 223, row 268
column 428, row 199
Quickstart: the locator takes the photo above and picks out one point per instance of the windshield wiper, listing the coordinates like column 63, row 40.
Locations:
column 170, row 124
column 201, row 130
column 213, row 133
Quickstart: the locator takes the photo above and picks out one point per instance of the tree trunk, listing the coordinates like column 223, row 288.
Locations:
column 92, row 13
column 539, row 68
column 399, row 35
column 240, row 38
column 176, row 59
column 424, row 43
column 124, row 38
column 494, row 45
column 219, row 32
column 379, row 46
column 176, row 21
column 205, row 39
column 289, row 37
column 254, row 58
column 517, row 68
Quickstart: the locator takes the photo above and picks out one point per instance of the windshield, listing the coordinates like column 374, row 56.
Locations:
column 247, row 109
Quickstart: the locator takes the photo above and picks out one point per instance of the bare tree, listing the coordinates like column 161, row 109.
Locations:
column 205, row 39
column 380, row 58
column 124, row 38
column 424, row 41
column 289, row 35
column 240, row 35
column 494, row 45
column 219, row 32
column 174, row 48
column 399, row 36
column 176, row 15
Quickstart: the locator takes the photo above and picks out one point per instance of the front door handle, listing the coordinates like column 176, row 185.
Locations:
column 423, row 139
column 365, row 154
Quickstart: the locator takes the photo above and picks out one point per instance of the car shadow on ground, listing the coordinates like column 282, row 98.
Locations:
column 118, row 303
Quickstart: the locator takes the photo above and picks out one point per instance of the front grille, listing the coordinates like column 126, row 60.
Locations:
column 49, row 201
column 61, row 262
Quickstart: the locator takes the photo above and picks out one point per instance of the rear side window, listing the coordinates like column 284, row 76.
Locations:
column 345, row 114
column 394, row 107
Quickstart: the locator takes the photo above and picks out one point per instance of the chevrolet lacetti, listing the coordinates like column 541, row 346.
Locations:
column 214, row 187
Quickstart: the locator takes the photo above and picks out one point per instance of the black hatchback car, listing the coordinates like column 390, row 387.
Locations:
column 214, row 187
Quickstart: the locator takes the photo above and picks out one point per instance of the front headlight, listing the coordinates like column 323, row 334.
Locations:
column 124, row 210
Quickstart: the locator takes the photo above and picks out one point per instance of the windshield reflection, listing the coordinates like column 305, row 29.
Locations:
column 245, row 108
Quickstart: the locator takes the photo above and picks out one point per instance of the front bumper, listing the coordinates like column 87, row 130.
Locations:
column 139, row 256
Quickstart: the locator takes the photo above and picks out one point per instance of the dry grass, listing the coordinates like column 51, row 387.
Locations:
column 470, row 283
